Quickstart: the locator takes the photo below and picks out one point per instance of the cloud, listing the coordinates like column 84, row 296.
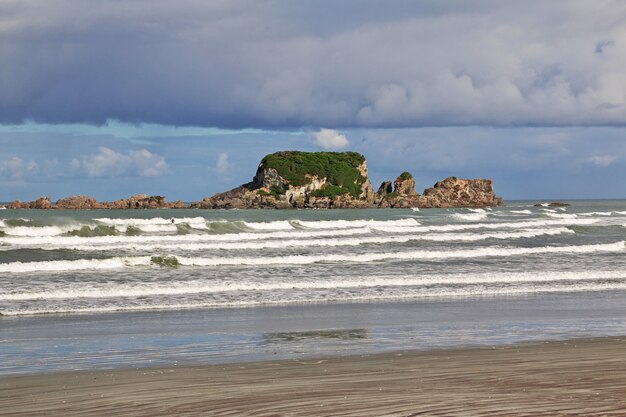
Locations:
column 109, row 163
column 603, row 160
column 223, row 166
column 18, row 169
column 330, row 139
column 281, row 64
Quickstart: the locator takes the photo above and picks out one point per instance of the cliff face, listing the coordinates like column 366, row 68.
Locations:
column 340, row 180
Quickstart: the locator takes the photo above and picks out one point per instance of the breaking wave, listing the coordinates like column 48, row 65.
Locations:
column 114, row 290
column 316, row 242
column 124, row 262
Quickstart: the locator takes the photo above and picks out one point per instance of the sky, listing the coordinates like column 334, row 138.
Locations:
column 112, row 98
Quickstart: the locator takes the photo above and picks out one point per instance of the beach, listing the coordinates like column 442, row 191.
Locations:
column 574, row 377
column 514, row 310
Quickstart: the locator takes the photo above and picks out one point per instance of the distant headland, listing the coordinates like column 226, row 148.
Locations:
column 294, row 179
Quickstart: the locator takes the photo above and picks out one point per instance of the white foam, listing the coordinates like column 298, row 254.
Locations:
column 115, row 290
column 521, row 211
column 277, row 225
column 365, row 294
column 476, row 210
column 336, row 241
column 158, row 228
column 471, row 216
column 494, row 225
column 344, row 224
column 410, row 255
column 39, row 231
column 41, row 241
column 2, row 224
column 151, row 221
column 121, row 262
column 562, row 215
column 597, row 213
column 74, row 265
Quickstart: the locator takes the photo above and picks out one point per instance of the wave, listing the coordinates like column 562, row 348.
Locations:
column 598, row 213
column 41, row 241
column 137, row 238
column 337, row 241
column 276, row 225
column 561, row 215
column 40, row 230
column 124, row 262
column 311, row 297
column 345, row 224
column 87, row 231
column 521, row 211
column 159, row 225
column 151, row 221
column 494, row 225
column 471, row 216
column 110, row 290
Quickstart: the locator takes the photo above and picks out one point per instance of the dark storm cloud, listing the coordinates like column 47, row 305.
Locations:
column 285, row 64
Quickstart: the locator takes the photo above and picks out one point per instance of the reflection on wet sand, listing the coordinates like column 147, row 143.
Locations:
column 342, row 334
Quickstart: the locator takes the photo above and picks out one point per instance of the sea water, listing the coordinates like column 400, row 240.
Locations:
column 301, row 281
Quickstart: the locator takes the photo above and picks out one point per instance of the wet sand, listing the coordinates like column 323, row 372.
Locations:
column 576, row 377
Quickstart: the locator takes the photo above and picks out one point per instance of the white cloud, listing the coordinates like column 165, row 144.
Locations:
column 17, row 168
column 148, row 164
column 223, row 166
column 109, row 163
column 330, row 139
column 603, row 160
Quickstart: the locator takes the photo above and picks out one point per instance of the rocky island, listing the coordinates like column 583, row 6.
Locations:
column 294, row 179
column 83, row 202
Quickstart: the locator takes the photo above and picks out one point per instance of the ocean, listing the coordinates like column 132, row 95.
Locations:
column 109, row 288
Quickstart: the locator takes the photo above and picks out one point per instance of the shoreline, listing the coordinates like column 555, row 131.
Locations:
column 576, row 376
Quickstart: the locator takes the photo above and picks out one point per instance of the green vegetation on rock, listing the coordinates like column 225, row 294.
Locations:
column 339, row 168
column 406, row 175
column 331, row 191
column 275, row 191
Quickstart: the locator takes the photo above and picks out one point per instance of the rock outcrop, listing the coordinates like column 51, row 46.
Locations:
column 79, row 202
column 451, row 192
column 404, row 184
column 385, row 188
column 454, row 192
column 295, row 179
column 41, row 203
column 83, row 202
column 552, row 204
column 340, row 180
